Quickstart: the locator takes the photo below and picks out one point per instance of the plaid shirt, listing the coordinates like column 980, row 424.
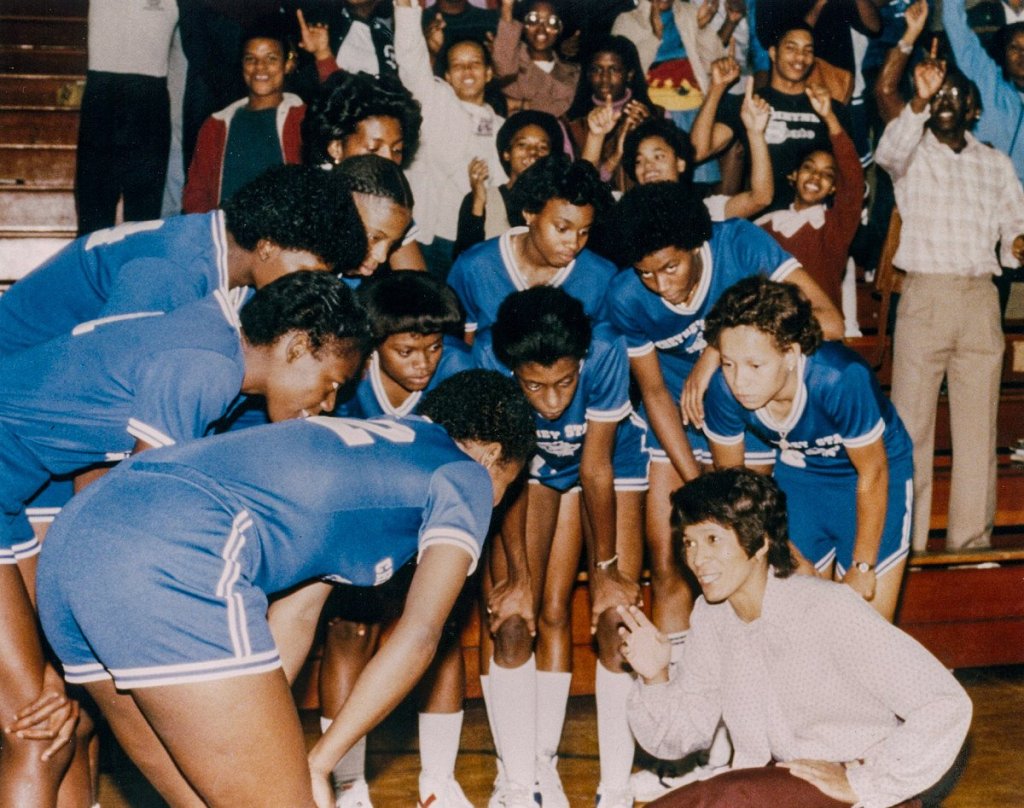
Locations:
column 955, row 206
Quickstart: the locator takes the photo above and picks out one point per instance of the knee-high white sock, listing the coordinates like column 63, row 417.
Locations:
column 676, row 640
column 552, row 697
column 615, row 743
column 514, row 718
column 721, row 748
column 353, row 765
column 440, row 734
column 485, row 688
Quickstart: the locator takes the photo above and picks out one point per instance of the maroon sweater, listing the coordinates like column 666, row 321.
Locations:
column 823, row 251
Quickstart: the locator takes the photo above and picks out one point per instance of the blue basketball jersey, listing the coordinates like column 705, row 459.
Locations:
column 139, row 266
column 88, row 396
column 602, row 394
column 370, row 399
column 484, row 275
column 333, row 497
column 737, row 249
column 838, row 405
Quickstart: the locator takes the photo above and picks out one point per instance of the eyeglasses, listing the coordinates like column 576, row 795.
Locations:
column 553, row 22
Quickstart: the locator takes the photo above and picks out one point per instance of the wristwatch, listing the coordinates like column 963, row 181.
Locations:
column 863, row 566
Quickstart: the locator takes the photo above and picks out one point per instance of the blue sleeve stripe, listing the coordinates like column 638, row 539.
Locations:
column 149, row 434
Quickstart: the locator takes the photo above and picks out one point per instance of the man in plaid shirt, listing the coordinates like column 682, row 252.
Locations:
column 958, row 199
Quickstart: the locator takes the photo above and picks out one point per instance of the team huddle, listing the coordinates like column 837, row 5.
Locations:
column 480, row 314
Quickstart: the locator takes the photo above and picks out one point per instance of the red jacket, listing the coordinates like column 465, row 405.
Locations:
column 202, row 189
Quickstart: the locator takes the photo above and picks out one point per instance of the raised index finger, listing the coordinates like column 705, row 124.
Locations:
column 302, row 21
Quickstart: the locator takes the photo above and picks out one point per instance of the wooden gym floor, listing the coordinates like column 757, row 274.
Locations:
column 994, row 777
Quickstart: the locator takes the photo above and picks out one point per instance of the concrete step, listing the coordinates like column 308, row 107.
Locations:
column 19, row 256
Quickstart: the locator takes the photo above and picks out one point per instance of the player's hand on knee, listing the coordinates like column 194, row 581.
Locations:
column 512, row 597
column 52, row 716
column 323, row 793
column 644, row 647
column 609, row 589
column 863, row 583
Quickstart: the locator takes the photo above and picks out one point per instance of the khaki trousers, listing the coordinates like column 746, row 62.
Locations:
column 948, row 325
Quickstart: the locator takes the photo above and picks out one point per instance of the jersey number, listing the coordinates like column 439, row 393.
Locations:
column 354, row 432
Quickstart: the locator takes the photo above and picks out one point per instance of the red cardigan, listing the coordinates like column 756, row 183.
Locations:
column 202, row 189
column 823, row 251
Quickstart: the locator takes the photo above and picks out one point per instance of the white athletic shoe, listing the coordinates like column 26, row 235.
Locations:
column 442, row 794
column 353, row 795
column 549, row 784
column 613, row 798
column 512, row 795
column 648, row 785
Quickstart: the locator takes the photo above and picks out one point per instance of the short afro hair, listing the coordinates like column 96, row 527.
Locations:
column 779, row 310
column 557, row 177
column 542, row 324
column 347, row 99
column 409, row 302
column 299, row 208
column 676, row 138
column 750, row 504
column 652, row 217
column 518, row 121
column 317, row 304
column 376, row 176
column 483, row 405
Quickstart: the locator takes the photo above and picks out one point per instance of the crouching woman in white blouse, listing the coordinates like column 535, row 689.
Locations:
column 802, row 671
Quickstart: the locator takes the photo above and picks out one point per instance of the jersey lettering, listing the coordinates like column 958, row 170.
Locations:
column 354, row 432
column 112, row 235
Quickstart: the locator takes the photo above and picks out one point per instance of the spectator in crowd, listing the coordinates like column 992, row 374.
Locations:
column 487, row 211
column 254, row 133
column 958, row 199
column 526, row 61
column 125, row 129
column 457, row 20
column 347, row 36
column 459, row 125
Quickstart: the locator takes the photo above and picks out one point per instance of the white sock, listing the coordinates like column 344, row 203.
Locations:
column 676, row 640
column 721, row 748
column 485, row 688
column 552, row 697
column 440, row 734
column 353, row 765
column 513, row 707
column 615, row 744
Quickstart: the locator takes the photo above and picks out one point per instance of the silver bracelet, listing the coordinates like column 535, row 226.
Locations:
column 603, row 565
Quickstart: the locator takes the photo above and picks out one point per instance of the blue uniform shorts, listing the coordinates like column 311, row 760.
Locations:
column 823, row 516
column 631, row 461
column 140, row 581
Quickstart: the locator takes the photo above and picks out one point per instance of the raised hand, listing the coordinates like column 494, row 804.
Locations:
column 435, row 35
column 602, row 119
column 736, row 10
column 478, row 176
column 755, row 112
column 928, row 78
column 314, row 38
column 916, row 16
column 724, row 71
column 820, row 98
column 705, row 12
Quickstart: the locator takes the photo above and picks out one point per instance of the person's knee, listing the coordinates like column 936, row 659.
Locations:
column 512, row 643
column 609, row 644
column 345, row 636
